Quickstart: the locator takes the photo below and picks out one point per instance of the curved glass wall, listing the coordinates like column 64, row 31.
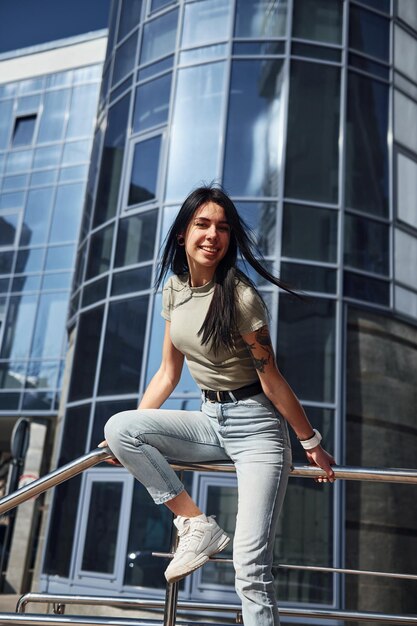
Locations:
column 291, row 106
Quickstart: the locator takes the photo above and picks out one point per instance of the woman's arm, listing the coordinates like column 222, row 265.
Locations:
column 281, row 395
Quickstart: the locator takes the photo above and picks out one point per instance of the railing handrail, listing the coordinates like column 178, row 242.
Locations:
column 75, row 467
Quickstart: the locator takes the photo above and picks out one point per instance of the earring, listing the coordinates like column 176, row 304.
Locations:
column 180, row 240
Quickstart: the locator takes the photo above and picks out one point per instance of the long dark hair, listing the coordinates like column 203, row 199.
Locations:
column 217, row 328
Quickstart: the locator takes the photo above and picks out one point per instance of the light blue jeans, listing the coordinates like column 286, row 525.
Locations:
column 255, row 437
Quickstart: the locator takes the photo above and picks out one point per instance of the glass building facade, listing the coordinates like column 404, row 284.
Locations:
column 306, row 111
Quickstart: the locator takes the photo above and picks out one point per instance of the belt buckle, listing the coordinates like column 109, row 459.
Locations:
column 218, row 396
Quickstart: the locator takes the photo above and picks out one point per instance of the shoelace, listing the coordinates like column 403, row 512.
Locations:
column 185, row 535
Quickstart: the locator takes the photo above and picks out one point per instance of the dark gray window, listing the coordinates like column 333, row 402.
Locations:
column 367, row 145
column 103, row 411
column 93, row 292
column 124, row 337
column 84, row 366
column 365, row 288
column 369, row 32
column 100, row 252
column 313, row 132
column 253, row 137
column 309, row 277
column 129, row 17
column 131, row 280
column 111, row 162
column 8, row 227
column 306, row 346
column 24, row 128
column 158, row 4
column 144, row 175
column 136, row 239
column 366, row 244
column 6, row 262
column 318, row 20
column 261, row 218
column 309, row 233
column 152, row 103
column 124, row 59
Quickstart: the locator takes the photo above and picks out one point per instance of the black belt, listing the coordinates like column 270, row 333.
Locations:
column 235, row 394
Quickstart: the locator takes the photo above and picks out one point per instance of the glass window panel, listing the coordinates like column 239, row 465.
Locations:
column 366, row 244
column 85, row 356
column 315, row 52
column 406, row 189
column 28, row 104
column 67, row 213
column 24, row 127
column 63, row 79
column 12, row 201
column 199, row 55
column 36, row 217
column 258, row 47
column 57, row 281
column 365, row 288
column 159, row 37
column 367, row 145
column 198, row 105
column 129, row 17
column 407, row 11
column 31, row 84
column 403, row 84
column 79, row 266
column 206, row 21
column 309, row 233
column 42, row 374
column 88, row 74
column 8, row 228
column 29, row 260
column 99, row 256
column 318, row 20
column 41, row 401
column 19, row 161
column 18, row 327
column 82, row 114
column 9, row 401
column 6, row 262
column 4, row 285
column 369, row 32
column 126, row 84
column 54, row 116
column 6, row 118
column 12, row 374
column 50, row 325
column 406, row 301
column 306, row 346
column 47, row 157
column 405, row 120
column 255, row 104
column 102, row 527
column 15, row 182
column 144, row 175
column 313, row 120
column 76, row 152
column 309, row 277
column 260, row 18
column 261, row 219
column 66, row 496
column 371, row 67
column 111, row 161
column 77, row 172
column 405, row 53
column 125, row 57
column 158, row 4
column 8, row 90
column 131, row 281
column 124, row 337
column 380, row 5
column 91, row 182
column 136, row 239
column 405, row 258
column 60, row 258
column 103, row 411
column 156, row 68
column 152, row 103
column 26, row 283
column 95, row 292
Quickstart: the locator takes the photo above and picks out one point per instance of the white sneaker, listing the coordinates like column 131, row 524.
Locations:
column 199, row 538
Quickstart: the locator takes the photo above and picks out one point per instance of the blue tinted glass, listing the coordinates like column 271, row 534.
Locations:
column 28, row 104
column 23, row 130
column 159, row 37
column 50, row 325
column 8, row 226
column 369, row 33
column 12, row 200
column 43, row 178
column 99, row 255
column 31, row 84
column 54, row 116
column 82, row 113
column 126, row 84
column 77, row 172
column 152, row 103
column 29, row 260
column 36, row 217
column 156, row 68
column 9, row 90
column 124, row 59
column 46, row 157
column 158, row 4
column 62, row 280
column 309, row 277
column 63, row 79
column 19, row 161
column 26, row 283
column 129, row 17
column 19, row 325
column 6, row 262
column 67, row 213
column 136, row 239
column 88, row 74
column 131, row 280
column 199, row 55
column 12, row 374
column 42, row 374
column 366, row 244
column 6, row 117
column 260, row 19
column 261, row 219
column 60, row 258
column 144, row 177
column 76, row 152
column 206, row 21
column 15, row 182
column 251, row 160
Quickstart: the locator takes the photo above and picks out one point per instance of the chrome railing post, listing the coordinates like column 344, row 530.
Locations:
column 171, row 593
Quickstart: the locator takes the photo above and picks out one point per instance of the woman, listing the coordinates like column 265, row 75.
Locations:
column 216, row 319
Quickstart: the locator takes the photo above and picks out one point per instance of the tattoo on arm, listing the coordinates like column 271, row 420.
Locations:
column 263, row 340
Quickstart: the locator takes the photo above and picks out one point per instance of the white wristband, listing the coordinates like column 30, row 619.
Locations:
column 314, row 441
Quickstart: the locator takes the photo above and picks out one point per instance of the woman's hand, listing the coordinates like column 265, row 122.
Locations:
column 319, row 457
column 112, row 461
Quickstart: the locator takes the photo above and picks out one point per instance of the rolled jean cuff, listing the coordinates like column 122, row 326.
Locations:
column 166, row 497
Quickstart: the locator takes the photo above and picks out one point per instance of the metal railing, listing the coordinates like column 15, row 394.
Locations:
column 171, row 603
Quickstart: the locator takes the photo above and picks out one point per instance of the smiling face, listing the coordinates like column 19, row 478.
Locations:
column 207, row 238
